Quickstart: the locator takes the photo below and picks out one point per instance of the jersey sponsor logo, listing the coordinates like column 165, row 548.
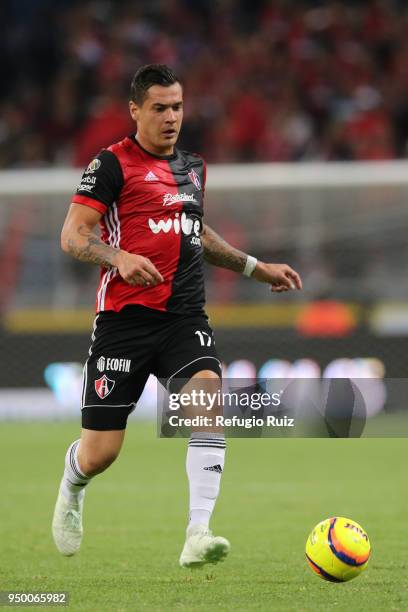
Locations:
column 87, row 183
column 93, row 166
column 113, row 364
column 173, row 198
column 150, row 176
column 89, row 179
column 184, row 224
column 101, row 363
column 104, row 386
column 194, row 178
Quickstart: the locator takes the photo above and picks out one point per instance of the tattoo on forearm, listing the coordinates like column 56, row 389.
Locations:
column 90, row 248
column 219, row 253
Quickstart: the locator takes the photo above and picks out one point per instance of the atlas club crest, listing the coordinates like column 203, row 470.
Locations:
column 104, row 386
column 194, row 178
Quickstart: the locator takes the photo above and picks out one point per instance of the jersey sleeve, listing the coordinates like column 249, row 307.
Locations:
column 101, row 182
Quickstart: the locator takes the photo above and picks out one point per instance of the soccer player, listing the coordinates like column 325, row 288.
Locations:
column 147, row 196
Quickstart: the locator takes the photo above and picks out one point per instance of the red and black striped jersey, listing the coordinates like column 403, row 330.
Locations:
column 152, row 206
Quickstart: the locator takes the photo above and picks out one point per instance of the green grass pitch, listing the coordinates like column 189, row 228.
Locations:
column 273, row 492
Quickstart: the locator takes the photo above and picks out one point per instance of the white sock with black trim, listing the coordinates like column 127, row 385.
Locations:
column 74, row 480
column 205, row 464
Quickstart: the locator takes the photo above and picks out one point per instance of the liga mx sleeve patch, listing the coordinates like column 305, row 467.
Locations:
column 101, row 182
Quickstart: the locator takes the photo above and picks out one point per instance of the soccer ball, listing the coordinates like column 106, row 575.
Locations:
column 338, row 549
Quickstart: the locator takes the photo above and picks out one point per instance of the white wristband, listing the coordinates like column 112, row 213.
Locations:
column 250, row 265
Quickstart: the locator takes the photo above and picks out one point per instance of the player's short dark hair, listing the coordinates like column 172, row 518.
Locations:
column 146, row 76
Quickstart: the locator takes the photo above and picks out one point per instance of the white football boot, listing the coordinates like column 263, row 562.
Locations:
column 67, row 524
column 202, row 547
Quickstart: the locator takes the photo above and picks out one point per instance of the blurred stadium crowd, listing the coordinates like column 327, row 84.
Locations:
column 265, row 80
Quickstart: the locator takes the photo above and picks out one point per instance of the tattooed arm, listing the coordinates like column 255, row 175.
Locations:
column 87, row 246
column 79, row 240
column 219, row 253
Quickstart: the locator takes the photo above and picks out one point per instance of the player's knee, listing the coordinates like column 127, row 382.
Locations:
column 97, row 463
column 209, row 382
column 207, row 375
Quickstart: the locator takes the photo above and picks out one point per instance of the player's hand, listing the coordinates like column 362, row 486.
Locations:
column 137, row 270
column 281, row 277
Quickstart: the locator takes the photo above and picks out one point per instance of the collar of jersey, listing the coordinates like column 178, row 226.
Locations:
column 166, row 157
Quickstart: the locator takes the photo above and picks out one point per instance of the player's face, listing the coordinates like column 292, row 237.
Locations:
column 159, row 118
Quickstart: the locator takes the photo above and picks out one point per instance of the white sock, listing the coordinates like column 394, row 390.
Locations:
column 205, row 464
column 74, row 480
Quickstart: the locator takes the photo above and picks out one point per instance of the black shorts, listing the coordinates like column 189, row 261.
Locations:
column 127, row 347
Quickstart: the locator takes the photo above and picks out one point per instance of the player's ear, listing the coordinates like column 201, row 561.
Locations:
column 134, row 110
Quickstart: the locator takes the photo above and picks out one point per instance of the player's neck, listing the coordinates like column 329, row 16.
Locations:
column 150, row 148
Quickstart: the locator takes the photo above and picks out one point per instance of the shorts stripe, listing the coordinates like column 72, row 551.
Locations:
column 84, row 383
column 110, row 405
column 189, row 363
column 93, row 336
